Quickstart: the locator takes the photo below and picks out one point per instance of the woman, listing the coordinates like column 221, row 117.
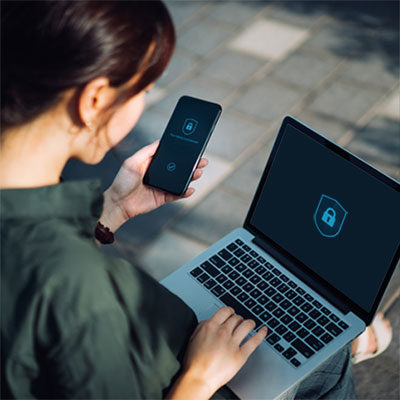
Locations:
column 76, row 323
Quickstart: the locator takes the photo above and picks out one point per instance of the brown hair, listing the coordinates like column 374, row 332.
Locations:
column 50, row 46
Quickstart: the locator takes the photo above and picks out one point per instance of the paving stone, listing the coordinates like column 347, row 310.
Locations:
column 142, row 229
column 233, row 135
column 213, row 174
column 214, row 217
column 245, row 179
column 236, row 13
column 183, row 11
column 331, row 128
column 181, row 63
column 269, row 39
column 371, row 71
column 379, row 142
column 305, row 70
column 167, row 253
column 391, row 107
column 345, row 101
column 267, row 100
column 232, row 67
column 202, row 38
column 194, row 87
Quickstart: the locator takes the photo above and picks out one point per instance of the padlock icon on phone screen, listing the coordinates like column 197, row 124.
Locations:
column 189, row 126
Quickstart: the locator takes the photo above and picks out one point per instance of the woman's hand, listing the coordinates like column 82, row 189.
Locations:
column 215, row 354
column 128, row 196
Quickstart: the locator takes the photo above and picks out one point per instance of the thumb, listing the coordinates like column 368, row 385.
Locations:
column 141, row 159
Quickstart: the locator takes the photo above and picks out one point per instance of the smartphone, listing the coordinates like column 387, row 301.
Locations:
column 182, row 144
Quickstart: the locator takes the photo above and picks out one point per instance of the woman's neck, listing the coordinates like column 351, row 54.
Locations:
column 33, row 155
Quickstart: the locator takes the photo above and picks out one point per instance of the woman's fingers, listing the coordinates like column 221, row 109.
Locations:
column 233, row 321
column 250, row 345
column 243, row 330
column 221, row 315
column 202, row 163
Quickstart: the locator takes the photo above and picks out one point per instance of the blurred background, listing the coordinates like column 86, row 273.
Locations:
column 332, row 64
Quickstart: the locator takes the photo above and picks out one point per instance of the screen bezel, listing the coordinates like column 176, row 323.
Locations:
column 296, row 265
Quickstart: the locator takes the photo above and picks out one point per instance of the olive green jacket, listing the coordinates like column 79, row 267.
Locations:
column 76, row 323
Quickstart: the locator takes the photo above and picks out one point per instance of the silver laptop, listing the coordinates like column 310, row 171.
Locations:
column 312, row 260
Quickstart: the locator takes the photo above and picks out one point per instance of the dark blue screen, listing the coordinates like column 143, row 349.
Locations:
column 305, row 179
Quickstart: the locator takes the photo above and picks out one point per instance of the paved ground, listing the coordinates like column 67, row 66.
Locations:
column 333, row 65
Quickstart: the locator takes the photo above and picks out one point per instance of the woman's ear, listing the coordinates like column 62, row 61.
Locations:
column 94, row 99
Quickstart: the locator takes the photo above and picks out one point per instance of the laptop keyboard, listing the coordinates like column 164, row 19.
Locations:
column 298, row 325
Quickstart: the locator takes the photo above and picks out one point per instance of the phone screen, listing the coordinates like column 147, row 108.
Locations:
column 182, row 144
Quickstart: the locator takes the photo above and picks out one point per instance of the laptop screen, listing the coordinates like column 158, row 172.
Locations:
column 339, row 220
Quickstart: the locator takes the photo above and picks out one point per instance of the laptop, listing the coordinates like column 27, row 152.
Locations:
column 312, row 261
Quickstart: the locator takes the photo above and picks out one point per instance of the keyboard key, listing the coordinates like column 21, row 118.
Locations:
column 284, row 278
column 278, row 312
column 334, row 329
column 253, row 253
column 317, row 304
column 302, row 333
column 286, row 319
column 272, row 323
column 217, row 261
column 208, row 267
column 225, row 254
column 255, row 279
column 283, row 288
column 292, row 284
column 247, row 248
column 257, row 309
column 323, row 320
column 276, row 271
column 270, row 291
column 218, row 290
column 326, row 338
column 261, row 259
column 227, row 269
column 234, row 275
column 253, row 264
column 240, row 267
column 235, row 290
column 268, row 276
column 240, row 281
column 239, row 308
column 325, row 311
column 314, row 314
column 301, row 291
column 281, row 329
column 255, row 293
column 273, row 338
column 309, row 324
column 196, row 272
column 275, row 282
column 262, row 285
column 318, row 331
column 233, row 261
column 243, row 296
column 293, row 310
column 295, row 362
column 278, row 298
column 246, row 258
column 343, row 325
column 228, row 284
column 239, row 242
column 250, row 303
column 203, row 277
column 289, row 353
column 248, row 273
column 262, row 300
column 265, row 316
column 232, row 247
column 314, row 342
column 306, row 307
column 269, row 265
column 248, row 287
column 298, row 301
column 278, row 347
column 260, row 270
column 301, row 317
column 290, row 294
column 308, row 297
column 289, row 336
column 294, row 326
column 285, row 304
column 302, row 348
column 221, row 278
column 238, row 252
column 270, row 306
column 334, row 318
column 210, row 284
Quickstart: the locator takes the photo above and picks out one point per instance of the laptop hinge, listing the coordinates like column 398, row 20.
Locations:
column 303, row 276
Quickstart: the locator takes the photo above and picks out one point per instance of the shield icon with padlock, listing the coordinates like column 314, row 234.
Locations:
column 329, row 216
column 189, row 126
